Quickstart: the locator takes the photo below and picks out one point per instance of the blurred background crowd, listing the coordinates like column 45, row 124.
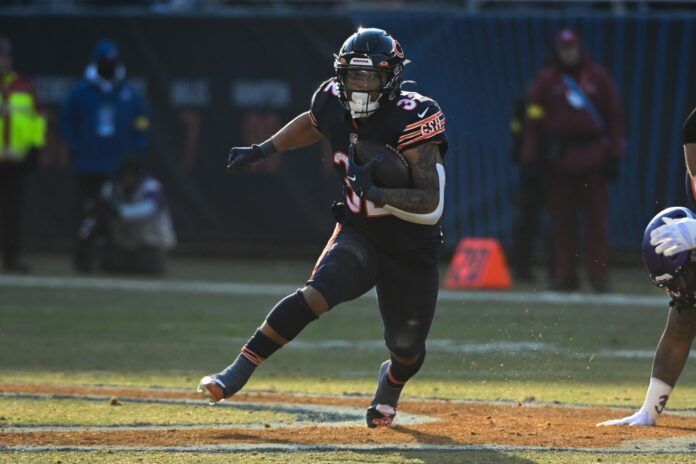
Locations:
column 563, row 119
column 468, row 5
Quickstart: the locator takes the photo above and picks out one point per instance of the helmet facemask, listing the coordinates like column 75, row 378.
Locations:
column 363, row 89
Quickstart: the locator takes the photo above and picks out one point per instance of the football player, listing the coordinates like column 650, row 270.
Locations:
column 667, row 252
column 385, row 238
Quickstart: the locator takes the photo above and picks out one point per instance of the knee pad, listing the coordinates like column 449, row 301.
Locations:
column 401, row 373
column 404, row 345
column 290, row 316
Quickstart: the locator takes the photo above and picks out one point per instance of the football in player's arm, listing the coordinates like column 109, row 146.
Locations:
column 421, row 204
column 386, row 238
column 667, row 252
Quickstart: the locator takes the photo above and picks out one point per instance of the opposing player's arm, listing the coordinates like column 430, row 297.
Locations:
column 424, row 203
column 689, row 142
column 300, row 132
column 690, row 158
column 679, row 235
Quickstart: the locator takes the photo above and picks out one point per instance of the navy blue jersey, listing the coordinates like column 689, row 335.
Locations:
column 406, row 123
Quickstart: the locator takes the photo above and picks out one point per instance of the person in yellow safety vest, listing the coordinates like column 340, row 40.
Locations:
column 22, row 136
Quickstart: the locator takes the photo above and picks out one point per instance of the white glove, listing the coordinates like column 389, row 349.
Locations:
column 639, row 418
column 675, row 236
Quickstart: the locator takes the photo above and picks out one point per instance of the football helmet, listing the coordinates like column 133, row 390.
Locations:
column 677, row 273
column 369, row 71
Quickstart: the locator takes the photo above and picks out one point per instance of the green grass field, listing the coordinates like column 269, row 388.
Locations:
column 582, row 354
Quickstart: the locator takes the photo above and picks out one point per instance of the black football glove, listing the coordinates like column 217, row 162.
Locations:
column 243, row 157
column 361, row 178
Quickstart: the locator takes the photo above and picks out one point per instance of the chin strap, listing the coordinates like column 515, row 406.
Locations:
column 430, row 218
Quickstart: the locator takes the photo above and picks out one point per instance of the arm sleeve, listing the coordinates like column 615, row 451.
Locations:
column 533, row 120
column 146, row 207
column 689, row 129
column 39, row 131
column 426, row 124
column 137, row 211
column 38, row 126
column 141, row 125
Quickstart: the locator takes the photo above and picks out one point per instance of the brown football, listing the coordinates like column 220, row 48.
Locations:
column 393, row 171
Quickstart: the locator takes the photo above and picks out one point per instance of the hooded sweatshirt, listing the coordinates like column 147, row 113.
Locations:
column 104, row 121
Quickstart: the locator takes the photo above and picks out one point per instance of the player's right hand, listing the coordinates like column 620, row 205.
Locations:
column 638, row 419
column 361, row 178
column 243, row 157
column 675, row 236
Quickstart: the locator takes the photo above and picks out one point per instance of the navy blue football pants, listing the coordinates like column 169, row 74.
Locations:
column 407, row 283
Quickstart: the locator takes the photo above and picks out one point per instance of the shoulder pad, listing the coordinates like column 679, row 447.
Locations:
column 326, row 90
column 326, row 93
column 423, row 119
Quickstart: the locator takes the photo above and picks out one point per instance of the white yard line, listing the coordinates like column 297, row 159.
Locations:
column 264, row 289
column 381, row 447
column 469, row 347
column 306, row 415
column 436, row 345
column 342, row 417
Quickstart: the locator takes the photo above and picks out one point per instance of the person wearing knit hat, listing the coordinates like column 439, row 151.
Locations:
column 574, row 121
column 104, row 121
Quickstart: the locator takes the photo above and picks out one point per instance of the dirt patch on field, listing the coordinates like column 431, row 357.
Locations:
column 457, row 424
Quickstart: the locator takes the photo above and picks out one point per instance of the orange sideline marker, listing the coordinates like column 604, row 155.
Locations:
column 478, row 263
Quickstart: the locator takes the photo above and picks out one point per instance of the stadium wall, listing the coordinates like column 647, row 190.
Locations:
column 214, row 81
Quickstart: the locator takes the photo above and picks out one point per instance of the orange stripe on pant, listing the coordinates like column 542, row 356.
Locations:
column 328, row 246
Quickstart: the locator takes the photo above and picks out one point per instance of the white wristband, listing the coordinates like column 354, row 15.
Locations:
column 656, row 398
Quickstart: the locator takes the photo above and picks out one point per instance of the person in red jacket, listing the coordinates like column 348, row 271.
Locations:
column 574, row 118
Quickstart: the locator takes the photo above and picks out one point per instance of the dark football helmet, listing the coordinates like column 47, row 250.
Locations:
column 677, row 273
column 374, row 60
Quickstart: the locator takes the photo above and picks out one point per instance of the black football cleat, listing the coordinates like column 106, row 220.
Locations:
column 380, row 415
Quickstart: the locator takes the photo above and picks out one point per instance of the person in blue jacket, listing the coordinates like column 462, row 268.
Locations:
column 104, row 120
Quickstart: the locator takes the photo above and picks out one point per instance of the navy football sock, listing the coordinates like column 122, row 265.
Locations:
column 257, row 349
column 236, row 375
column 387, row 391
column 288, row 317
column 393, row 375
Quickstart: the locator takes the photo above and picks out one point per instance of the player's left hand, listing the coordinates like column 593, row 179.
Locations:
column 361, row 178
column 244, row 157
column 675, row 236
